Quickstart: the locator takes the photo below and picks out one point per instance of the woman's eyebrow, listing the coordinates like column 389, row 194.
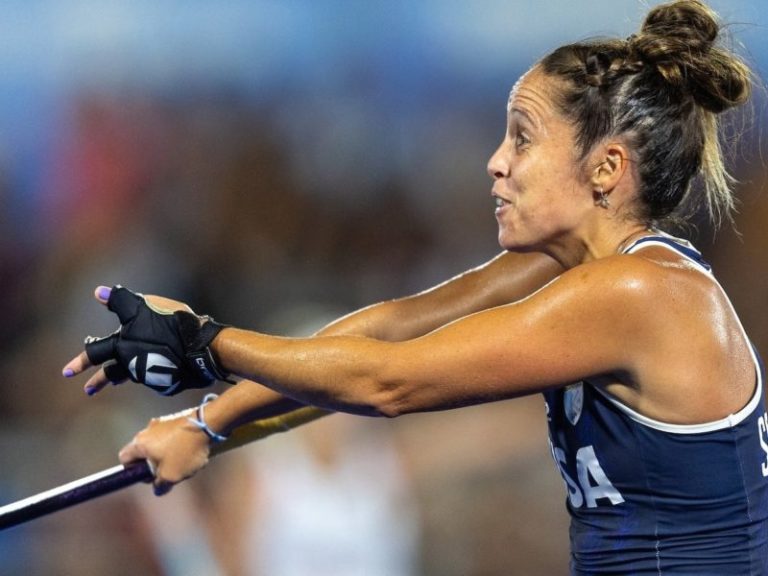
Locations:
column 524, row 113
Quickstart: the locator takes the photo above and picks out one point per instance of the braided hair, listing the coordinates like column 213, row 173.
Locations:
column 662, row 91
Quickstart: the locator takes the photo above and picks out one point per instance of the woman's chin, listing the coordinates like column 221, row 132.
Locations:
column 514, row 244
column 508, row 241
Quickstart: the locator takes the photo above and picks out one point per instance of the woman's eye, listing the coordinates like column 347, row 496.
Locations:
column 521, row 139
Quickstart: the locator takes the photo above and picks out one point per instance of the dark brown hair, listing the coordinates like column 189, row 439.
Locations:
column 661, row 90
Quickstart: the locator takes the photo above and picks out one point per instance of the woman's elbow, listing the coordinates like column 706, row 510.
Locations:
column 390, row 399
column 381, row 387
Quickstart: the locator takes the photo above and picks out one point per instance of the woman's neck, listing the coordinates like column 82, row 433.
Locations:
column 584, row 248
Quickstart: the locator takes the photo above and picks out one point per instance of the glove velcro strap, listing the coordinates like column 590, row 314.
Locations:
column 197, row 338
column 205, row 364
column 208, row 331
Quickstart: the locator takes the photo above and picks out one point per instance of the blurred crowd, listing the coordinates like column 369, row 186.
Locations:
column 279, row 215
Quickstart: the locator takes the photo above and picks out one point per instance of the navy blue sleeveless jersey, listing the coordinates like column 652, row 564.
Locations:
column 647, row 497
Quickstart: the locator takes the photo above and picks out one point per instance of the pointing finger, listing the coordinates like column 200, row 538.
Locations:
column 77, row 365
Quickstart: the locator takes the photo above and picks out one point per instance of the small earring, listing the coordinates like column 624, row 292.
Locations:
column 602, row 198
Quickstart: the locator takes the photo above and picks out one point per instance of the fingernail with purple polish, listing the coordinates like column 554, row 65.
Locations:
column 68, row 373
column 104, row 292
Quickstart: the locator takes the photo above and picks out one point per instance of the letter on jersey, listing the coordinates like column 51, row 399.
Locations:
column 588, row 467
column 762, row 431
column 574, row 494
column 593, row 482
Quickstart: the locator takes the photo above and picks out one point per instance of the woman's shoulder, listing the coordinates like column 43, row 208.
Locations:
column 642, row 279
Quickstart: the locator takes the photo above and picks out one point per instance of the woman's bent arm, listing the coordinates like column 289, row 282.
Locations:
column 506, row 278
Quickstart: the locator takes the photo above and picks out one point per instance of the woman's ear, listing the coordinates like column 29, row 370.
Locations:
column 611, row 163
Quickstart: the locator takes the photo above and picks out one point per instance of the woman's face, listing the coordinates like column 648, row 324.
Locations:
column 540, row 185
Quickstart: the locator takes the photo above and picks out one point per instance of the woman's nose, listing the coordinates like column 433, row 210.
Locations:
column 498, row 166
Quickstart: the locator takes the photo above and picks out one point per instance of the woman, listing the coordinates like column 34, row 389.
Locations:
column 653, row 390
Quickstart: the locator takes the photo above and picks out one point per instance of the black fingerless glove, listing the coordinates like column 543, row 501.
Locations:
column 166, row 351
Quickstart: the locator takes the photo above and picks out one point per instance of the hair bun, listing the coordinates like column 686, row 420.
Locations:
column 679, row 39
column 686, row 23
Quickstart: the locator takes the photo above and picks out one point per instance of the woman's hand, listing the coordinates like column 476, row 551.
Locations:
column 161, row 343
column 174, row 448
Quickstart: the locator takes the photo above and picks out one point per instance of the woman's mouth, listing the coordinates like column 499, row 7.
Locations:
column 500, row 204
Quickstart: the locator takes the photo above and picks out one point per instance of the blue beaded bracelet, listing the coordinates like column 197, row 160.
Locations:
column 200, row 420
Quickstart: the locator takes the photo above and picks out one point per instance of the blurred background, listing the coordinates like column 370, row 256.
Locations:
column 277, row 164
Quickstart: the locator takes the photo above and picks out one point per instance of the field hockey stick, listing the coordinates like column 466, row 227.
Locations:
column 118, row 477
